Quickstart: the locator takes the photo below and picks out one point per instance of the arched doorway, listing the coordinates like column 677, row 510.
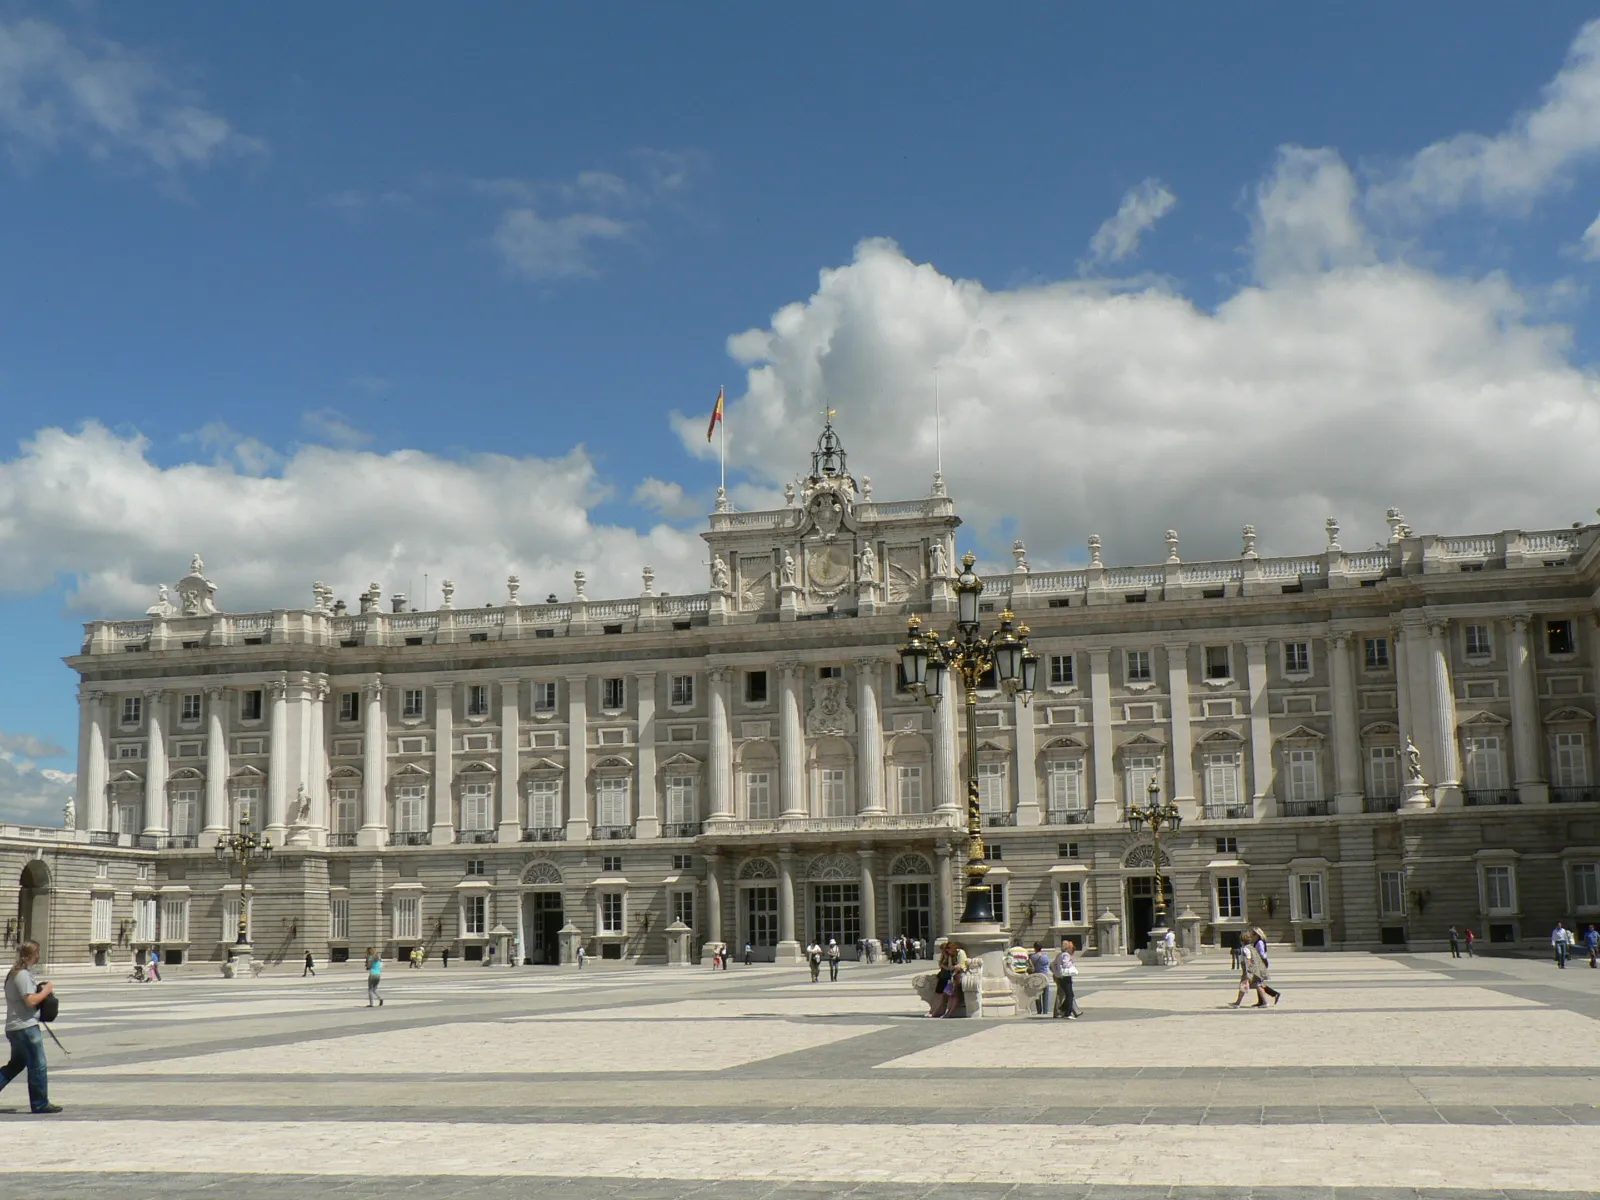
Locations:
column 1140, row 893
column 542, row 914
column 33, row 907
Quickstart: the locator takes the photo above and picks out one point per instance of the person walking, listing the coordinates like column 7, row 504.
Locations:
column 1233, row 956
column 814, row 960
column 749, row 954
column 1065, row 971
column 1455, row 942
column 374, row 977
column 1591, row 942
column 583, row 956
column 444, row 958
column 155, row 964
column 1039, row 964
column 833, row 961
column 1558, row 939
column 24, row 995
column 1471, row 938
column 309, row 969
column 1257, row 972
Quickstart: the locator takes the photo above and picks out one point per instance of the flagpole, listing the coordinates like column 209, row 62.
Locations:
column 724, row 424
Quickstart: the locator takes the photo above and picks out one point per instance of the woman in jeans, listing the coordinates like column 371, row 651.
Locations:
column 1065, row 971
column 947, row 983
column 23, row 1031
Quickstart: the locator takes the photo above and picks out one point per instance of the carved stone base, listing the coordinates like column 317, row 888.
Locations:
column 1417, row 796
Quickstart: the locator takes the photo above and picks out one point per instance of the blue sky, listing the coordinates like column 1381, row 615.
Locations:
column 372, row 293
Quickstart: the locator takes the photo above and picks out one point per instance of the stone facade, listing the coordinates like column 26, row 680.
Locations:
column 1366, row 748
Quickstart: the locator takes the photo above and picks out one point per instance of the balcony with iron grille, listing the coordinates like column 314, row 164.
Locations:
column 1574, row 795
column 1484, row 799
column 104, row 837
column 1307, row 808
column 610, row 833
column 182, row 841
column 337, row 840
column 409, row 837
column 1067, row 816
column 998, row 820
column 545, row 833
column 1380, row 804
column 148, row 841
column 1228, row 812
column 682, row 829
column 475, row 837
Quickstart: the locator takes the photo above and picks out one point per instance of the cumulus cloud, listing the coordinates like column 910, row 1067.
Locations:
column 1591, row 242
column 29, row 746
column 94, row 506
column 1141, row 208
column 552, row 248
column 106, row 99
column 31, row 794
column 669, row 499
column 333, row 427
column 1305, row 219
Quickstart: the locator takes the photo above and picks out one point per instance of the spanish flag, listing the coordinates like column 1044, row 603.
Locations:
column 716, row 415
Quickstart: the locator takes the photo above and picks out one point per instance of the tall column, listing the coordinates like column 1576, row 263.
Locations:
column 1402, row 689
column 216, row 818
column 1182, row 739
column 317, row 758
column 1349, row 789
column 944, row 889
column 788, row 947
column 92, row 812
column 648, row 824
column 1527, row 764
column 509, row 796
column 1447, row 784
column 869, row 718
column 577, row 758
column 1255, row 659
column 791, row 744
column 1027, row 766
column 947, row 795
column 374, row 829
column 443, row 830
column 155, row 776
column 713, row 899
column 278, row 761
column 869, row 895
column 720, row 782
column 1105, row 769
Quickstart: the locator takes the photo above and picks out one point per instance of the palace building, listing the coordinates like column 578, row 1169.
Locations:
column 746, row 761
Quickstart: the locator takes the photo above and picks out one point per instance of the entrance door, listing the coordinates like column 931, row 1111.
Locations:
column 543, row 917
column 836, row 914
column 33, row 907
column 761, row 922
column 913, row 910
column 1142, row 908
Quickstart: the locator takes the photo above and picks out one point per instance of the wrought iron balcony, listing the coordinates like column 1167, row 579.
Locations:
column 1380, row 804
column 545, row 833
column 1228, row 812
column 1574, row 795
column 1307, row 808
column 475, row 837
column 682, row 829
column 148, row 841
column 1477, row 799
column 341, row 839
column 103, row 837
column 182, row 841
column 409, row 837
column 994, row 820
column 1068, row 816
column 604, row 833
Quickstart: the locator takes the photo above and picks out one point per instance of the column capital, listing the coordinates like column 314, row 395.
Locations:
column 323, row 690
column 1437, row 626
column 645, row 676
column 786, row 853
column 373, row 688
column 790, row 667
column 867, row 662
column 1520, row 621
column 576, row 679
column 1340, row 638
column 90, row 696
column 1176, row 647
column 214, row 692
column 444, row 687
column 279, row 686
column 719, row 674
column 865, row 853
column 154, row 693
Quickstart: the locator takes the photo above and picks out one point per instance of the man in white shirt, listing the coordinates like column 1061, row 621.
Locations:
column 1558, row 939
column 23, row 1030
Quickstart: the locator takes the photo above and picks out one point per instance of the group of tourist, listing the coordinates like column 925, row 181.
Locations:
column 1565, row 942
column 817, row 954
column 908, row 949
column 1250, row 956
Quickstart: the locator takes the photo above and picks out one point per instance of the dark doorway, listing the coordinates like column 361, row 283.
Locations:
column 914, row 910
column 1142, row 908
column 761, row 922
column 543, row 916
column 33, row 907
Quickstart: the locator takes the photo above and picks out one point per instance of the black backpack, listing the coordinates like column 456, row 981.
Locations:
column 49, row 1008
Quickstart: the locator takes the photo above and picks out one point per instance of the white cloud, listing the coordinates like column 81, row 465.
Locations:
column 1590, row 248
column 1304, row 220
column 1512, row 168
column 29, row 746
column 668, row 499
column 110, row 101
column 92, row 505
column 333, row 427
column 1141, row 208
column 31, row 794
column 541, row 248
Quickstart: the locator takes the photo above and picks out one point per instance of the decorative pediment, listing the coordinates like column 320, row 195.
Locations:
column 1481, row 717
column 345, row 772
column 249, row 772
column 185, row 773
column 683, row 762
column 128, row 777
column 911, row 864
column 1379, row 729
column 540, row 871
column 1222, row 735
column 1144, row 856
column 834, row 867
column 1303, row 733
column 409, row 768
column 1568, row 716
column 1144, row 740
column 479, row 766
column 540, row 765
column 758, row 868
column 1061, row 744
column 613, row 762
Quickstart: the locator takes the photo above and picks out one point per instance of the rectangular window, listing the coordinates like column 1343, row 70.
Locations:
column 410, row 808
column 834, row 797
column 1066, row 785
column 1222, row 779
column 477, row 866
column 682, row 691
column 1217, row 664
column 349, row 706
column 1499, row 896
column 544, row 803
column 1227, row 845
column 407, row 918
column 1486, row 765
column 1297, row 658
column 1383, row 772
column 1070, row 898
column 477, row 806
column 682, row 805
column 474, row 916
column 908, row 788
column 611, row 862
column 411, row 703
column 185, row 812
column 611, row 912
column 189, row 709
column 1066, row 849
column 1585, row 885
column 1060, row 670
column 1558, row 637
column 478, row 700
column 1308, row 897
column 1230, row 898
column 102, row 919
column 755, row 687
column 1478, row 644
column 1138, row 772
column 544, row 696
column 1571, row 761
column 1138, row 665
column 611, row 801
column 830, row 672
column 1305, row 781
column 683, row 862
column 992, row 787
column 758, row 795
column 175, row 919
column 1377, row 653
column 144, row 919
column 230, row 919
column 247, row 807
column 683, row 908
column 250, row 705
column 611, row 694
column 1392, row 893
column 999, row 892
column 346, row 807
column 339, row 919
column 132, row 710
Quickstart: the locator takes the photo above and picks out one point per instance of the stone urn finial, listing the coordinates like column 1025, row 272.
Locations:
column 513, row 587
column 448, row 587
column 1094, row 550
column 1332, row 526
column 1172, row 546
column 579, row 580
column 649, row 574
column 1020, row 552
column 1249, row 535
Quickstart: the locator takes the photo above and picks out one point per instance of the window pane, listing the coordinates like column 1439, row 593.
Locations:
column 758, row 795
column 992, row 787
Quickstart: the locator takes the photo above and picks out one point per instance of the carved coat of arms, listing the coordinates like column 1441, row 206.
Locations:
column 830, row 714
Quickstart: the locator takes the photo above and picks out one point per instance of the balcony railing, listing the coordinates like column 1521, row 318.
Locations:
column 1228, row 812
column 1478, row 799
column 1380, row 804
column 1067, row 816
column 605, row 833
column 103, row 837
column 148, row 841
column 409, row 837
column 995, row 820
column 1307, row 808
column 182, row 841
column 545, row 833
column 341, row 839
column 475, row 837
column 683, row 829
column 1574, row 795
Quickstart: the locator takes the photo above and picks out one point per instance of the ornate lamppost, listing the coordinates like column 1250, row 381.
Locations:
column 926, row 662
column 1155, row 816
column 244, row 848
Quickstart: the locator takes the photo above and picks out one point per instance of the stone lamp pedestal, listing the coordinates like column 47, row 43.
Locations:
column 240, row 963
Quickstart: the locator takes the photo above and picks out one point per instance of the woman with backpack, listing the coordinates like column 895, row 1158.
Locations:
column 374, row 977
column 24, row 998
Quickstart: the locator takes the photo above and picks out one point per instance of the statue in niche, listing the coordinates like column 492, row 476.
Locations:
column 787, row 578
column 1413, row 762
column 719, row 574
column 302, row 812
column 936, row 563
column 868, row 565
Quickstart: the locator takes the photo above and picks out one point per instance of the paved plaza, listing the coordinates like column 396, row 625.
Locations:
column 1376, row 1077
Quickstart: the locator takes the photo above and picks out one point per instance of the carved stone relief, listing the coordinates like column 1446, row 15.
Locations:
column 755, row 587
column 831, row 714
column 905, row 572
column 828, row 569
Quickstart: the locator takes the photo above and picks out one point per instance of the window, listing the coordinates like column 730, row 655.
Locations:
column 411, row 703
column 755, row 687
column 247, row 806
column 758, row 795
column 407, row 918
column 144, row 919
column 610, row 912
column 683, row 862
column 1558, row 637
column 175, row 919
column 830, row 672
column 1392, row 893
column 996, row 853
column 1066, row 849
column 185, row 811
column 682, row 691
column 1499, row 890
column 474, row 916
column 102, row 870
column 1060, row 670
column 1217, row 665
column 1383, row 772
column 102, row 919
column 189, row 709
column 339, row 919
column 1065, row 789
column 1307, row 897
column 477, row 866
column 1570, row 768
column 132, row 710
column 410, row 808
column 544, row 803
column 1478, row 644
column 230, row 918
column 478, row 700
column 1138, row 666
column 1297, row 658
column 908, row 789
column 1230, row 898
column 611, row 863
column 1222, row 779
column 998, row 890
column 142, row 871
column 992, row 787
column 834, row 798
column 611, row 801
column 611, row 694
column 349, row 706
column 1377, row 653
column 250, row 705
column 683, row 908
column 1305, row 783
column 1069, row 896
column 1137, row 773
column 1585, row 885
column 1486, row 765
column 544, row 696
column 477, row 806
column 681, row 806
column 346, row 803
column 1227, row 845
column 130, row 750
